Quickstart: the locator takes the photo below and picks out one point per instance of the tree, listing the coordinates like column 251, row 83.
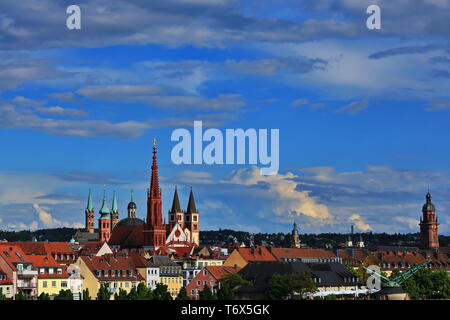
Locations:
column 123, row 295
column 161, row 293
column 103, row 292
column 2, row 296
column 64, row 295
column 428, row 284
column 227, row 283
column 86, row 295
column 206, row 293
column 282, row 286
column 141, row 292
column 20, row 296
column 182, row 294
column 44, row 296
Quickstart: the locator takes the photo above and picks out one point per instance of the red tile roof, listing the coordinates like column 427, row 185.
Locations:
column 12, row 254
column 256, row 254
column 110, row 262
column 219, row 271
column 6, row 282
column 292, row 253
column 46, row 262
column 44, row 247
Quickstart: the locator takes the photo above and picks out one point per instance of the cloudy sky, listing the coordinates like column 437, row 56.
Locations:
column 363, row 114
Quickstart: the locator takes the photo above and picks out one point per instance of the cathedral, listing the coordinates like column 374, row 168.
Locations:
column 132, row 233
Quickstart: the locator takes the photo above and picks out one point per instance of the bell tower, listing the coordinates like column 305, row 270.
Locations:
column 192, row 219
column 104, row 222
column 429, row 225
column 295, row 237
column 90, row 215
column 176, row 215
column 154, row 230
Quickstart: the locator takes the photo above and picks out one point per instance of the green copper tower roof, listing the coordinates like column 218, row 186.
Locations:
column 115, row 208
column 104, row 211
column 90, row 207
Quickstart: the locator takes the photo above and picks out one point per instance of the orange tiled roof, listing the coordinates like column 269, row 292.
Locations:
column 44, row 247
column 292, row 253
column 256, row 254
column 219, row 271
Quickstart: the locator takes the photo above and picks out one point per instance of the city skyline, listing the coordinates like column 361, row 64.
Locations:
column 363, row 114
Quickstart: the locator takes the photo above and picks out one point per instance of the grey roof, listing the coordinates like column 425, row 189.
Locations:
column 428, row 206
column 130, row 222
column 163, row 261
column 83, row 237
column 326, row 274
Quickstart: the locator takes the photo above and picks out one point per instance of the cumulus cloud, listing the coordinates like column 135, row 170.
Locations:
column 358, row 221
column 61, row 112
column 281, row 195
column 48, row 221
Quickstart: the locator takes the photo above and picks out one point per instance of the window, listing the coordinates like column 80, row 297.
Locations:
column 211, row 283
column 198, row 282
column 44, row 284
column 59, row 271
column 195, row 218
column 63, row 284
column 50, row 271
column 54, row 284
column 20, row 267
column 41, row 270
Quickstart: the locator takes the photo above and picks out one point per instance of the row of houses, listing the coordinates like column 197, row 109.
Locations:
column 32, row 268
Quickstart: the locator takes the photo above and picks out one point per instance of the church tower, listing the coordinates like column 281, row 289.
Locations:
column 176, row 215
column 429, row 225
column 114, row 212
column 104, row 223
column 90, row 215
column 295, row 237
column 132, row 207
column 154, row 230
column 192, row 219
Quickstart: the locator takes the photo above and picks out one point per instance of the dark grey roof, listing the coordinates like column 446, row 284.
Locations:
column 191, row 204
column 325, row 274
column 176, row 203
column 130, row 222
column 132, row 205
column 163, row 261
column 83, row 237
column 428, row 206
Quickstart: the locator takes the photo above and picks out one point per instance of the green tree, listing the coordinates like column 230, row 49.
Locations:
column 103, row 292
column 64, row 295
column 206, row 293
column 44, row 296
column 182, row 294
column 122, row 295
column 86, row 295
column 20, row 296
column 225, row 293
column 141, row 292
column 282, row 286
column 428, row 284
column 2, row 296
column 234, row 279
column 161, row 293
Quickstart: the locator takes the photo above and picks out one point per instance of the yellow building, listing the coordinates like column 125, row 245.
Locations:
column 52, row 277
column 117, row 272
column 170, row 274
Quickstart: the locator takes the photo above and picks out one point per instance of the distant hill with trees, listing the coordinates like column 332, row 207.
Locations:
column 226, row 236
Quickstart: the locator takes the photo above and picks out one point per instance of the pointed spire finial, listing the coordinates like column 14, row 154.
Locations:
column 89, row 206
column 115, row 207
column 132, row 195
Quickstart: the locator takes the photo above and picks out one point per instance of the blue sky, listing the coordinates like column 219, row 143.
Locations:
column 363, row 114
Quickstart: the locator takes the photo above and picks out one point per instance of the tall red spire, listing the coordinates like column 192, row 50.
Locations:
column 155, row 191
column 154, row 233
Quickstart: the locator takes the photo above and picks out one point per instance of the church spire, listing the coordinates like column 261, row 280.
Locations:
column 176, row 202
column 191, row 204
column 115, row 208
column 89, row 206
column 155, row 192
column 104, row 211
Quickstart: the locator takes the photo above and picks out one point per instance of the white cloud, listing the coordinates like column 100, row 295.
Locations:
column 358, row 221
